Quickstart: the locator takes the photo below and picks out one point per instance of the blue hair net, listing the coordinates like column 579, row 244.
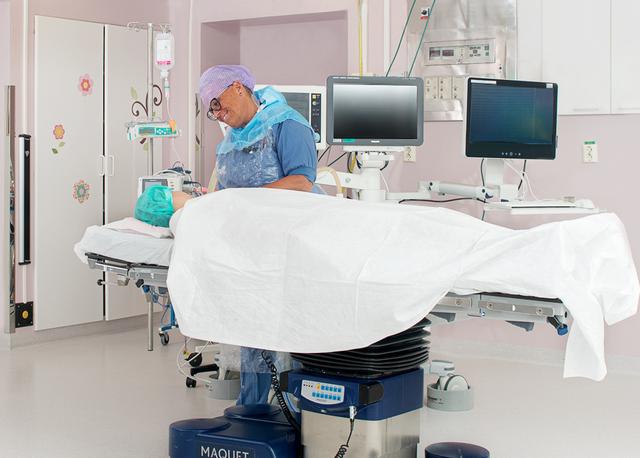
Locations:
column 155, row 206
column 274, row 110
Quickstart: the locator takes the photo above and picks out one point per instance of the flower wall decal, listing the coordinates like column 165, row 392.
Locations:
column 58, row 131
column 85, row 84
column 58, row 134
column 81, row 191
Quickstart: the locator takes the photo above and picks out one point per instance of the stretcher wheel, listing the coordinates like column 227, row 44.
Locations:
column 164, row 338
column 194, row 360
column 191, row 382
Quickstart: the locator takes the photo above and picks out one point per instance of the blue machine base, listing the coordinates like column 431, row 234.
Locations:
column 253, row 431
column 375, row 399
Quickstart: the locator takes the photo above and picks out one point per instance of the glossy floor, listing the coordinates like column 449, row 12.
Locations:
column 106, row 396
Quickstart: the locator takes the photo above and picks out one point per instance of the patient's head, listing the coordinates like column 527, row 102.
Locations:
column 155, row 206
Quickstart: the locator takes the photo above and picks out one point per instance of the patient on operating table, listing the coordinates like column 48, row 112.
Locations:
column 157, row 204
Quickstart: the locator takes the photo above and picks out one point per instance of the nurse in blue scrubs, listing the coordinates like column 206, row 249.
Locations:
column 270, row 145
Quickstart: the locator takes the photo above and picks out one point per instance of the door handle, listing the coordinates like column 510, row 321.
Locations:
column 111, row 169
column 101, row 166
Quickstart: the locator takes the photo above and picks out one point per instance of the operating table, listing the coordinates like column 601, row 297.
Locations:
column 523, row 312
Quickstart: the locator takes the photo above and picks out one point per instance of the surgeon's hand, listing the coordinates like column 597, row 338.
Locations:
column 292, row 182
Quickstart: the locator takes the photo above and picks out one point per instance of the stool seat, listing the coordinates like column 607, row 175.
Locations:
column 455, row 450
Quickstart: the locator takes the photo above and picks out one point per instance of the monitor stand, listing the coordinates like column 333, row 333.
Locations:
column 369, row 182
column 494, row 179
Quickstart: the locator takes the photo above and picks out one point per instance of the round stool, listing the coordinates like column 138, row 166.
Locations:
column 455, row 450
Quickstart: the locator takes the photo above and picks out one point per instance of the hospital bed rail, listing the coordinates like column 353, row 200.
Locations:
column 521, row 311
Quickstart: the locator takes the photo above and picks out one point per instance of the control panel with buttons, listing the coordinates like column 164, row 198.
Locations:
column 323, row 393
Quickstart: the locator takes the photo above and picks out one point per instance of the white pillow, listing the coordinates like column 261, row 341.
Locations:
column 135, row 226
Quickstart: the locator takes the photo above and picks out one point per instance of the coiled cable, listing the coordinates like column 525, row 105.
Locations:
column 344, row 448
column 275, row 383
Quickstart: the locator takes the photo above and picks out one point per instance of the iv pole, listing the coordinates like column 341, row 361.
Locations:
column 150, row 28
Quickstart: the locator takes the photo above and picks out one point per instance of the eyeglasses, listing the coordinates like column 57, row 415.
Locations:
column 214, row 106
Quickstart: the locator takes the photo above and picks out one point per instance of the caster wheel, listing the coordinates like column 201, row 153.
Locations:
column 164, row 338
column 194, row 360
column 191, row 382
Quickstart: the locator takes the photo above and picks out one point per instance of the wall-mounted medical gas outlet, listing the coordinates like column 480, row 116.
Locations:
column 409, row 153
column 431, row 88
column 458, row 87
column 444, row 87
column 461, row 52
column 590, row 151
column 445, row 84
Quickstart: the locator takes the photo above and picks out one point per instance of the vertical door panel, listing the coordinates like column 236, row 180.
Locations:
column 625, row 63
column 68, row 184
column 125, row 96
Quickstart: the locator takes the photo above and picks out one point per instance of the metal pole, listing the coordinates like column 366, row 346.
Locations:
column 150, row 320
column 151, row 105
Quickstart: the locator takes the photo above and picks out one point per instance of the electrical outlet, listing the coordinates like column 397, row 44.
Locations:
column 590, row 151
column 409, row 153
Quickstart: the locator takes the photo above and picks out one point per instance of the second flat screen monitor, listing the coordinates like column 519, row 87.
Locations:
column 509, row 119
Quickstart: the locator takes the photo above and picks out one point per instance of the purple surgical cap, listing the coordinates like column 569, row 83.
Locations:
column 216, row 79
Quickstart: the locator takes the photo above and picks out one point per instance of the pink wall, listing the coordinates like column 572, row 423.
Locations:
column 319, row 50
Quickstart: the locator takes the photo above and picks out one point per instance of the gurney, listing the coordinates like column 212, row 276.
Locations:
column 133, row 258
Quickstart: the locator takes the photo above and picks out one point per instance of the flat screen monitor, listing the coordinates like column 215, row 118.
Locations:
column 511, row 119
column 375, row 111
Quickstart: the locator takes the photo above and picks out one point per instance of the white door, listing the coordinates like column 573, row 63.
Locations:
column 68, row 184
column 576, row 51
column 625, row 63
column 125, row 101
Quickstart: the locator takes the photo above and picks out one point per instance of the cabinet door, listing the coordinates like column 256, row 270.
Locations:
column 125, row 96
column 576, row 51
column 67, row 145
column 625, row 57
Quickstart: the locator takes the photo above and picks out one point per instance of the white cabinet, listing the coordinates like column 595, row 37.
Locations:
column 576, row 53
column 87, row 78
column 625, row 56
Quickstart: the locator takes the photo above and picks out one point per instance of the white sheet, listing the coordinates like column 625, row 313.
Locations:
column 300, row 272
column 135, row 248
